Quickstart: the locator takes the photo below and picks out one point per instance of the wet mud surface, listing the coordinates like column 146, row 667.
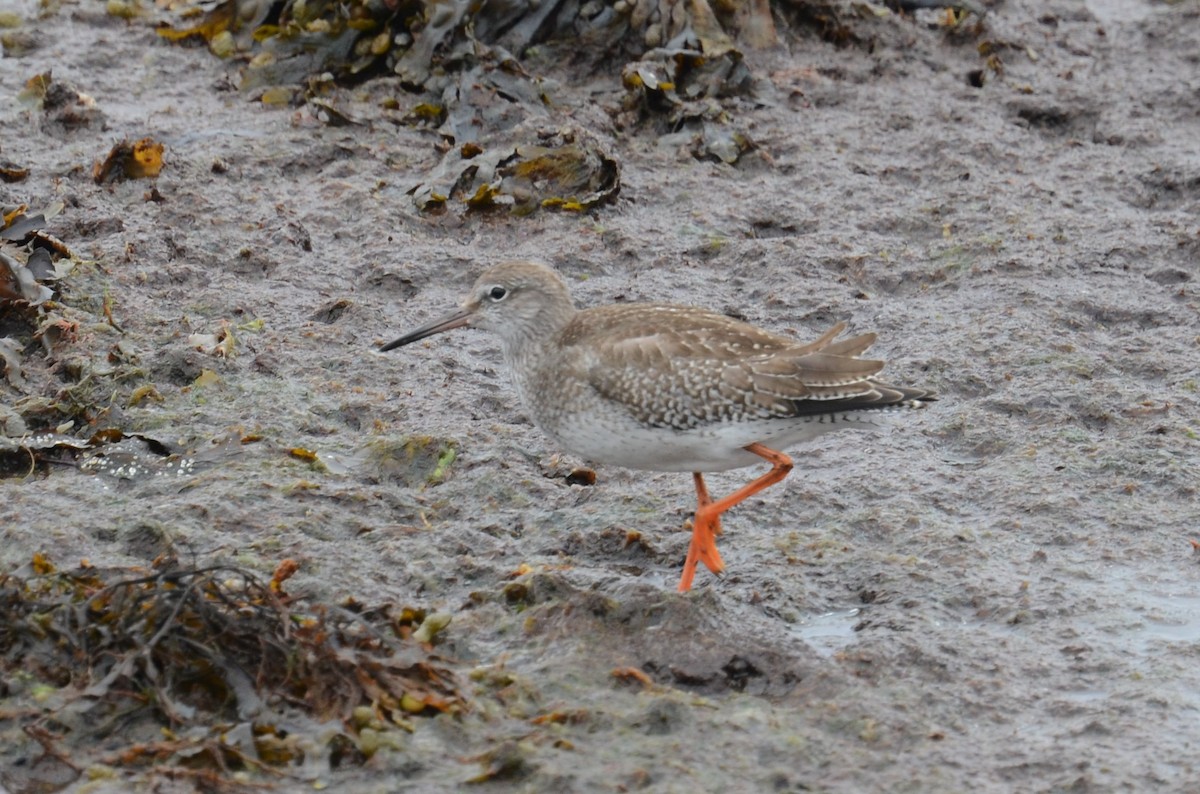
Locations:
column 997, row 594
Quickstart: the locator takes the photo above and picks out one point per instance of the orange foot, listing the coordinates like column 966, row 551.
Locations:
column 705, row 528
column 703, row 548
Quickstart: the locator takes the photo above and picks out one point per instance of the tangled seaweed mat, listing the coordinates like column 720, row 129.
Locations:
column 191, row 672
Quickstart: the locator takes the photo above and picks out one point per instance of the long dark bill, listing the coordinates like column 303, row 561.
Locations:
column 455, row 320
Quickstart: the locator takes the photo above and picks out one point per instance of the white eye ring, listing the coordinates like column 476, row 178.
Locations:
column 497, row 293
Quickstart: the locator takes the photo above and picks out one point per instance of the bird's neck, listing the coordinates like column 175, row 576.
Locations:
column 531, row 338
column 530, row 354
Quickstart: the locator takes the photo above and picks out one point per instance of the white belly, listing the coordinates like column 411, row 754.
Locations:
column 713, row 448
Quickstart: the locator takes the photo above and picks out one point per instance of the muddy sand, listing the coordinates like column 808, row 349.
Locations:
column 996, row 594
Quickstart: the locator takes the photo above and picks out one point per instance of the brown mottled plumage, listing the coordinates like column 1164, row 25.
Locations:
column 670, row 388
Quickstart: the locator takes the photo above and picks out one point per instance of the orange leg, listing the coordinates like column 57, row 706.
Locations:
column 702, row 499
column 707, row 524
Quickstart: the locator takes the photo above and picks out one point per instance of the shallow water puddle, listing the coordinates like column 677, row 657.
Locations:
column 1116, row 12
column 830, row 632
column 1166, row 618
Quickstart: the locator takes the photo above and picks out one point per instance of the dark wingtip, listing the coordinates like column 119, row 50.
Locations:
column 906, row 397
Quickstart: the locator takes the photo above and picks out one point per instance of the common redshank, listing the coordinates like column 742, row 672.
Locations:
column 660, row 387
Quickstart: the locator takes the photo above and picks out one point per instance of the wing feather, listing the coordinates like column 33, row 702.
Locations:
column 681, row 368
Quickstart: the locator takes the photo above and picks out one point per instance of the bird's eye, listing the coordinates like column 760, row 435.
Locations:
column 497, row 293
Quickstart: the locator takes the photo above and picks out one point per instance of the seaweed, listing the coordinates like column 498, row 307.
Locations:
column 214, row 661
